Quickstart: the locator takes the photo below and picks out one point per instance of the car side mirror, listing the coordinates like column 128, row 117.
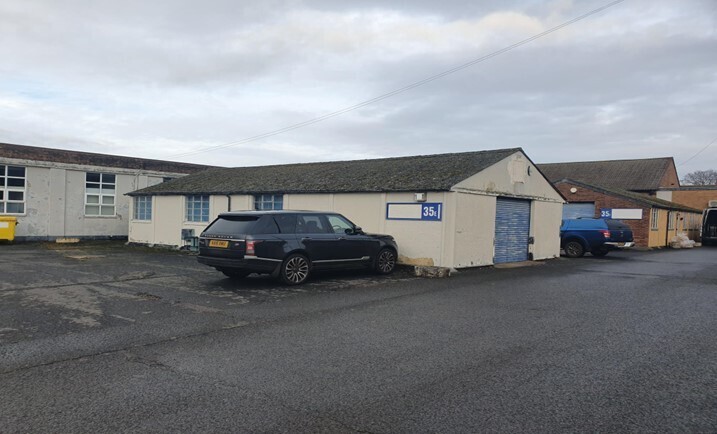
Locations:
column 354, row 231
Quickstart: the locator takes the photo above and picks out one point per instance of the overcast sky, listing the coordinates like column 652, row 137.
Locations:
column 155, row 79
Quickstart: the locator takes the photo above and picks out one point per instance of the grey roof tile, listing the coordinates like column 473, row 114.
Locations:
column 53, row 155
column 416, row 173
column 636, row 175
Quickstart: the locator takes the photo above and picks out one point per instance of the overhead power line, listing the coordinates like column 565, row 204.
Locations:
column 698, row 152
column 400, row 90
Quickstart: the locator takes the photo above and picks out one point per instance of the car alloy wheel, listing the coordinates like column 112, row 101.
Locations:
column 295, row 269
column 573, row 249
column 386, row 261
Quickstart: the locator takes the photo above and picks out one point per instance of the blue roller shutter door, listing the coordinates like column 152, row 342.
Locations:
column 512, row 230
column 577, row 210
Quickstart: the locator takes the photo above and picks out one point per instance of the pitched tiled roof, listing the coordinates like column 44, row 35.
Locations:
column 35, row 153
column 417, row 173
column 640, row 198
column 635, row 175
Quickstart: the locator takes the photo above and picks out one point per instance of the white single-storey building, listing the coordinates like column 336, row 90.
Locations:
column 55, row 193
column 453, row 210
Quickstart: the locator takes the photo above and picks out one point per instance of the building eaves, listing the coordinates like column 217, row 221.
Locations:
column 690, row 188
column 437, row 172
column 52, row 155
column 642, row 199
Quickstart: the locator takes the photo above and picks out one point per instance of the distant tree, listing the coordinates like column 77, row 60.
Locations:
column 701, row 177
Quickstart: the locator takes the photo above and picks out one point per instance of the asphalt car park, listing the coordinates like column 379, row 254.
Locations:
column 107, row 337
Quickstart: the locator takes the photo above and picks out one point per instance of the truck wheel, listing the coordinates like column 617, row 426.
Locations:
column 295, row 269
column 574, row 249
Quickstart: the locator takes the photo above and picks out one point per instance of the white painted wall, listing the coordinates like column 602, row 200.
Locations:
column 664, row 195
column 464, row 237
column 55, row 200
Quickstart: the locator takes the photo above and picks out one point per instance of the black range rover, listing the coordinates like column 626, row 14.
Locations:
column 290, row 244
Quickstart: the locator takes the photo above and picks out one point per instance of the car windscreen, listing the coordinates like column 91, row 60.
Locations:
column 232, row 225
column 617, row 225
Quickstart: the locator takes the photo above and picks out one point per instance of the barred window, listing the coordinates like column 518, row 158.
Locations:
column 268, row 201
column 143, row 208
column 654, row 219
column 12, row 190
column 197, row 208
column 100, row 194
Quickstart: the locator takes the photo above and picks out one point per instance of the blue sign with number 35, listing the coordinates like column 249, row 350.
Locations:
column 431, row 211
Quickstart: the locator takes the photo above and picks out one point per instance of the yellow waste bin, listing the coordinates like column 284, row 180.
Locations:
column 7, row 227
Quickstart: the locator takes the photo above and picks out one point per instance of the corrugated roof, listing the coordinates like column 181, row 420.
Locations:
column 636, row 175
column 417, row 173
column 643, row 199
column 35, row 153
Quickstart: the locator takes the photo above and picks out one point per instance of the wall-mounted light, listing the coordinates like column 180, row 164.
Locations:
column 420, row 197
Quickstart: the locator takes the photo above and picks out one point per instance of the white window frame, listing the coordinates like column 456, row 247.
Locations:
column 654, row 219
column 142, row 208
column 6, row 190
column 102, row 195
column 190, row 204
column 264, row 202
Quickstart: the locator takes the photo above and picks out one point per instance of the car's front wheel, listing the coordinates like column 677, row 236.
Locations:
column 385, row 261
column 295, row 269
column 574, row 249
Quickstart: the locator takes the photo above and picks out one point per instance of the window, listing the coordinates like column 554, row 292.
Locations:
column 268, row 201
column 311, row 224
column 339, row 225
column 654, row 218
column 286, row 222
column 143, row 208
column 197, row 208
column 99, row 194
column 12, row 190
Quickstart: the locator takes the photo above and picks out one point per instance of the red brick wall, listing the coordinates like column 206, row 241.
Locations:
column 640, row 228
column 670, row 179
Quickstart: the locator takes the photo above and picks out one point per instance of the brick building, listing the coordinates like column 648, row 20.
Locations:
column 654, row 221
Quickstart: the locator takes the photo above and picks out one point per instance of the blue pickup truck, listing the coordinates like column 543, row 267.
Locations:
column 597, row 236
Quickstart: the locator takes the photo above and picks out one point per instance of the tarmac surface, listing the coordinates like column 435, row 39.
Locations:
column 104, row 337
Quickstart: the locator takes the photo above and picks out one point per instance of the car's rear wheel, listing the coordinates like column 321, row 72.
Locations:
column 574, row 249
column 295, row 269
column 385, row 261
column 235, row 274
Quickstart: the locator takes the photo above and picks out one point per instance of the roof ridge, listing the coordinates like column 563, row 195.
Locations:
column 609, row 161
column 30, row 148
column 404, row 157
